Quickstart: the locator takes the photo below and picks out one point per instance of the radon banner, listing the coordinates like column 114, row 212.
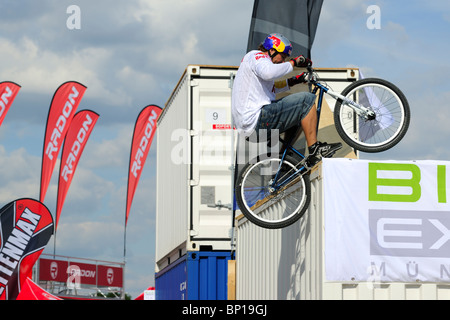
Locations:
column 8, row 92
column 26, row 226
column 144, row 131
column 80, row 273
column 387, row 221
column 62, row 109
column 79, row 131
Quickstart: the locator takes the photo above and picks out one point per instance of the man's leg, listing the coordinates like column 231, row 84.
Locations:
column 316, row 149
column 286, row 112
column 309, row 125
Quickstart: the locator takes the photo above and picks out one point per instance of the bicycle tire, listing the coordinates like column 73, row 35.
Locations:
column 392, row 116
column 250, row 193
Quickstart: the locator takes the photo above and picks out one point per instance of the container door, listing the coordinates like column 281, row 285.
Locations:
column 211, row 161
column 207, row 275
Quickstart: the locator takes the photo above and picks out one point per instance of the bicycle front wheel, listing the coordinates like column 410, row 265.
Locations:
column 271, row 194
column 382, row 132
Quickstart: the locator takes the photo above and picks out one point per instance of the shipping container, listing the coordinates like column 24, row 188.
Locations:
column 198, row 275
column 282, row 264
column 193, row 210
column 195, row 148
column 289, row 263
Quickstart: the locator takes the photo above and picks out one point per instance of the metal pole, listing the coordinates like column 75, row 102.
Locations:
column 124, row 258
column 234, row 150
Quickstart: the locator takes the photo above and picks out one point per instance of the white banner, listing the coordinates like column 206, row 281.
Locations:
column 387, row 221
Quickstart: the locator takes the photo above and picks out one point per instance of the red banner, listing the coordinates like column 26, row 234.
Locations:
column 110, row 276
column 76, row 273
column 79, row 131
column 26, row 226
column 8, row 92
column 144, row 131
column 53, row 270
column 82, row 273
column 62, row 109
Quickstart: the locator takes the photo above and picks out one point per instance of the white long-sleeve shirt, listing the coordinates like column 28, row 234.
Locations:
column 254, row 87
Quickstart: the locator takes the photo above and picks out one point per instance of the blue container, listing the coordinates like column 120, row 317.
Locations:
column 201, row 275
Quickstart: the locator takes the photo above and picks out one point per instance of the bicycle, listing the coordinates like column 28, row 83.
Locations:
column 371, row 115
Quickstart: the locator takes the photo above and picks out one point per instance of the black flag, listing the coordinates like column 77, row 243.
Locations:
column 295, row 19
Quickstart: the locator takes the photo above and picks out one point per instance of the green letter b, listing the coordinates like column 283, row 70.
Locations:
column 413, row 182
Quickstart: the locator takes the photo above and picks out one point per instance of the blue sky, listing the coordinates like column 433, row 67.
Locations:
column 410, row 50
column 132, row 53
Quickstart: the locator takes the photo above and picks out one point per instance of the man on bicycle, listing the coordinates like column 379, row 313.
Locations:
column 253, row 98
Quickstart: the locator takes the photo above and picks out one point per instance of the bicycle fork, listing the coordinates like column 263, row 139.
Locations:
column 364, row 112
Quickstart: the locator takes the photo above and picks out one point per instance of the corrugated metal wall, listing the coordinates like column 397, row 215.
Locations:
column 274, row 264
column 172, row 177
column 171, row 283
column 198, row 275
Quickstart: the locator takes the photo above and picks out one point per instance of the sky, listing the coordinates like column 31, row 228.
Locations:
column 132, row 53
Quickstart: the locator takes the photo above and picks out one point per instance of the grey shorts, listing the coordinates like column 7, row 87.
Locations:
column 285, row 113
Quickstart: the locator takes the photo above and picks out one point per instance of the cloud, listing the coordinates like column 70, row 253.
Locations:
column 132, row 53
column 430, row 112
column 397, row 33
column 337, row 21
column 129, row 54
column 111, row 147
column 40, row 70
column 19, row 174
column 91, row 239
column 86, row 193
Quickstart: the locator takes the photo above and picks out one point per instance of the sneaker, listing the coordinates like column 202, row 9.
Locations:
column 321, row 150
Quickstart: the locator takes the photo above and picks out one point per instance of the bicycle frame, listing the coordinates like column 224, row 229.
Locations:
column 359, row 109
column 276, row 187
column 318, row 87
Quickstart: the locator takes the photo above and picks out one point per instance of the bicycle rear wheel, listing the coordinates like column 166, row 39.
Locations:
column 261, row 203
column 391, row 121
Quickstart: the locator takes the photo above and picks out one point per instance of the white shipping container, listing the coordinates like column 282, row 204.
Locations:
column 289, row 264
column 194, row 156
column 193, row 165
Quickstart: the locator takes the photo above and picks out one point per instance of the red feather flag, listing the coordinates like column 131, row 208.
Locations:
column 144, row 131
column 79, row 131
column 62, row 109
column 8, row 92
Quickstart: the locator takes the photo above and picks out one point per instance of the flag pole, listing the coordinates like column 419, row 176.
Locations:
column 124, row 257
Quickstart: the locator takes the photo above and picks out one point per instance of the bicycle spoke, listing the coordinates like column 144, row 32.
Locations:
column 273, row 195
column 388, row 126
